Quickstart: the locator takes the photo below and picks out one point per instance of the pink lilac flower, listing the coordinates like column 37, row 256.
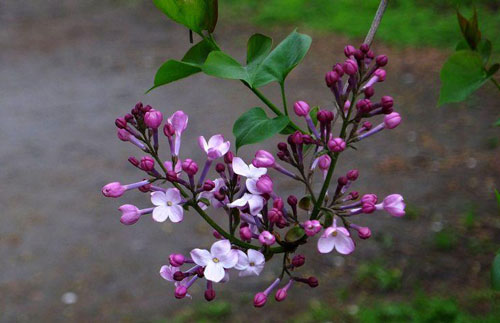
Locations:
column 153, row 119
column 263, row 158
column 260, row 298
column 393, row 204
column 116, row 189
column 167, row 272
column 267, row 238
column 311, row 227
column 215, row 261
column 178, row 121
column 167, row 205
column 337, row 238
column 250, row 264
column 131, row 214
column 215, row 147
column 251, row 172
column 337, row 145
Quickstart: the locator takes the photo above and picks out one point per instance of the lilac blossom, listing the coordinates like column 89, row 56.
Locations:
column 215, row 148
column 167, row 205
column 215, row 261
column 250, row 264
column 337, row 238
column 178, row 121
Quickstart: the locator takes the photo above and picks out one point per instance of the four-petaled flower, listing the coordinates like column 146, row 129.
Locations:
column 250, row 264
column 338, row 238
column 216, row 146
column 215, row 261
column 167, row 205
column 393, row 204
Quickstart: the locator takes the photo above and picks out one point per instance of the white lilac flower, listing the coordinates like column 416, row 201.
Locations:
column 337, row 238
column 167, row 205
column 215, row 261
column 250, row 264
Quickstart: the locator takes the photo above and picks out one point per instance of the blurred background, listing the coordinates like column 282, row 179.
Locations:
column 69, row 68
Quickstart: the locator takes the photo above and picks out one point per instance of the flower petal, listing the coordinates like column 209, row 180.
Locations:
column 201, row 257
column 256, row 172
column 173, row 195
column 344, row 244
column 242, row 260
column 203, row 143
column 256, row 257
column 241, row 201
column 229, row 260
column 325, row 244
column 251, row 185
column 255, row 203
column 215, row 141
column 224, row 147
column 158, row 198
column 160, row 213
column 220, row 248
column 176, row 213
column 167, row 272
column 240, row 167
column 214, row 272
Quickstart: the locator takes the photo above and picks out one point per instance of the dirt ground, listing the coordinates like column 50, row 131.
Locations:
column 68, row 69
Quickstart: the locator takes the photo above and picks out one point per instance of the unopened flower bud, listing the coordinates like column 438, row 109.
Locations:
column 364, row 105
column 180, row 292
column 280, row 294
column 179, row 276
column 189, row 166
column 121, row 123
column 208, row 185
column 301, row 108
column 369, row 91
column 369, row 198
column 298, row 260
column 364, row 232
column 220, row 168
column 352, row 175
column 146, row 108
column 147, row 163
column 336, row 145
column 342, row 180
column 338, row 68
column 278, row 203
column 307, row 139
column 263, row 158
column 274, row 215
column 380, row 73
column 267, row 238
column 172, row 176
column 367, row 125
column 114, row 189
column 228, row 157
column 359, row 55
column 176, row 259
column 259, row 300
column 219, row 196
column 354, row 195
column 324, row 162
column 168, row 130
column 133, row 161
column 130, row 214
column 387, row 101
column 123, row 135
column 292, row 200
column 210, row 295
column 145, row 188
column 200, row 271
column 313, row 282
column 370, row 54
column 245, row 233
column 349, row 50
column 381, row 60
column 368, row 207
column 331, row 78
column 364, row 48
column 282, row 146
column 392, row 120
column 153, row 118
column 128, row 117
column 350, row 67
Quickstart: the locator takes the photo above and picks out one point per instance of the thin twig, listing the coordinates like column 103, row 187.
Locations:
column 376, row 22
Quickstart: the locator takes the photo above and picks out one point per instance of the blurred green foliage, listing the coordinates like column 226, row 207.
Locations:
column 446, row 240
column 406, row 22
column 377, row 275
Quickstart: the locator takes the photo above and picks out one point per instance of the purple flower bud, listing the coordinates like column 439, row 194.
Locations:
column 354, row 195
column 138, row 106
column 342, row 180
column 364, row 105
column 336, row 145
column 217, row 235
column 292, row 200
column 359, row 55
column 145, row 188
column 282, row 146
column 245, row 233
column 297, row 138
column 278, row 203
column 263, row 158
column 179, row 276
column 267, row 238
column 370, row 54
column 172, row 176
column 123, row 135
column 369, row 198
column 133, row 161
column 219, row 196
column 128, row 117
column 338, row 68
column 121, row 123
column 176, row 259
column 153, row 119
column 350, row 67
column 368, row 207
column 189, row 166
column 228, row 157
column 313, row 282
column 324, row 162
column 274, row 215
column 364, row 232
column 130, row 214
column 387, row 101
column 301, row 108
column 146, row 108
column 210, row 295
column 168, row 130
column 260, row 299
column 349, row 50
column 200, row 271
column 364, row 48
column 369, row 92
column 208, row 185
column 114, row 189
column 367, row 125
column 352, row 175
column 147, row 163
column 381, row 60
column 220, row 168
column 392, row 120
column 281, row 155
column 380, row 74
column 307, row 139
column 280, row 294
column 180, row 292
column 323, row 116
column 298, row 260
column 331, row 78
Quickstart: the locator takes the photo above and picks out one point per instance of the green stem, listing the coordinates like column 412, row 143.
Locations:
column 285, row 107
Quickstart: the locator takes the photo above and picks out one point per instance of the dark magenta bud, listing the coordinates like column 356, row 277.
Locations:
column 208, row 185
column 133, row 161
column 168, row 130
column 280, row 294
column 359, row 55
column 245, row 233
column 338, row 68
column 387, row 101
column 364, row 232
column 176, row 259
column 342, row 180
column 370, row 54
column 146, row 108
column 278, row 203
column 128, row 117
column 172, row 176
column 200, row 272
column 274, row 215
column 350, row 67
column 219, row 196
column 282, row 146
column 145, row 188
column 210, row 295
column 298, row 260
column 292, row 200
column 368, row 207
column 259, row 300
column 364, row 105
column 323, row 116
column 138, row 106
column 349, row 50
column 331, row 78
column 381, row 60
column 297, row 138
column 228, row 157
column 381, row 74
column 147, row 163
column 180, row 292
column 313, row 282
column 354, row 195
column 307, row 139
column 281, row 155
column 121, row 123
column 364, row 48
column 220, row 168
column 369, row 92
column 352, row 175
column 179, row 276
column 189, row 166
column 367, row 125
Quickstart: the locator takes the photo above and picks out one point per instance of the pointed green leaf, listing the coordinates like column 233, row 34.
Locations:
column 221, row 65
column 284, row 58
column 495, row 273
column 254, row 126
column 173, row 70
column 198, row 54
column 462, row 44
column 484, row 48
column 493, row 69
column 305, row 203
column 462, row 74
column 196, row 15
column 258, row 48
column 294, row 234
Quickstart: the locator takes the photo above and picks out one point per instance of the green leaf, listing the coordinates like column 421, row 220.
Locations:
column 196, row 15
column 305, row 203
column 283, row 59
column 470, row 29
column 497, row 194
column 484, row 48
column 497, row 123
column 314, row 115
column 461, row 45
column 221, row 65
column 328, row 219
column 173, row 70
column 493, row 69
column 254, row 126
column 258, row 48
column 462, row 74
column 294, row 234
column 495, row 273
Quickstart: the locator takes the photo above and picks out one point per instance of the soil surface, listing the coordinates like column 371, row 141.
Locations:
column 69, row 69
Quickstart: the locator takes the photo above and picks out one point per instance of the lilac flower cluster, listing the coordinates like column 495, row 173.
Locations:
column 260, row 222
